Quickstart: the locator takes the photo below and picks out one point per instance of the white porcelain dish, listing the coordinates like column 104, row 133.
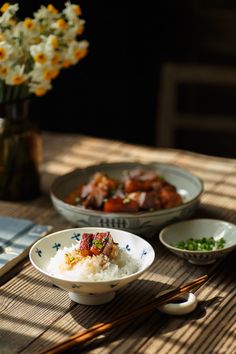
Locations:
column 188, row 304
column 145, row 223
column 87, row 292
column 196, row 229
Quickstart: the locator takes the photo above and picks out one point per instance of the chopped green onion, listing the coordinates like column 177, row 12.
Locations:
column 98, row 244
column 126, row 201
column 202, row 244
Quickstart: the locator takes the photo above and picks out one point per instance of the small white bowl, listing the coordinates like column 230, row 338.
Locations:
column 87, row 292
column 199, row 228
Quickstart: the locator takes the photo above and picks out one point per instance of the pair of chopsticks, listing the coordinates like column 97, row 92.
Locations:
column 100, row 328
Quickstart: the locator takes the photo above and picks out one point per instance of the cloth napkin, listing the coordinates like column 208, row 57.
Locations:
column 16, row 237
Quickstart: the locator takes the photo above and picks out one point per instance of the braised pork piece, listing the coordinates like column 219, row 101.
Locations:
column 90, row 245
column 138, row 190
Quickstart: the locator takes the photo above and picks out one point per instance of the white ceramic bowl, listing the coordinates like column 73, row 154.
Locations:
column 199, row 228
column 145, row 223
column 85, row 292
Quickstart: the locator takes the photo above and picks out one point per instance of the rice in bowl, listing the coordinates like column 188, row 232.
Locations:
column 96, row 257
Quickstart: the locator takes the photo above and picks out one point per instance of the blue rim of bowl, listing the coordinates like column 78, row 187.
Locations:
column 155, row 213
column 167, row 245
column 90, row 282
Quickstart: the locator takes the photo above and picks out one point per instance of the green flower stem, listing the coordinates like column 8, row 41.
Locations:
column 15, row 93
column 10, row 93
column 2, row 89
column 24, row 92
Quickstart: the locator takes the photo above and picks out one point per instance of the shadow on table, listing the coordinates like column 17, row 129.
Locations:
column 12, row 342
column 154, row 323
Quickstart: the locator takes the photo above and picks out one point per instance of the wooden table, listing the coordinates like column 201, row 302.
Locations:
column 36, row 315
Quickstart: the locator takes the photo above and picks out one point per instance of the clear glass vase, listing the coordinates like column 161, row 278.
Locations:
column 20, row 152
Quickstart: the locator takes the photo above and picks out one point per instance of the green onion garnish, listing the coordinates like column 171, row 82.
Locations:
column 202, row 244
column 98, row 244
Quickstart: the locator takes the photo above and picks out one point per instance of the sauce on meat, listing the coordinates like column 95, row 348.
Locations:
column 139, row 190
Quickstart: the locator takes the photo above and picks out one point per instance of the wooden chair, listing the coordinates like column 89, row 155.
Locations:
column 168, row 117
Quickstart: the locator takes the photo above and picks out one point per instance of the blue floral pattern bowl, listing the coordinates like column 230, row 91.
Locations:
column 145, row 223
column 87, row 292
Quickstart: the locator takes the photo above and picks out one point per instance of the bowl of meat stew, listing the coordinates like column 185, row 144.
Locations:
column 135, row 197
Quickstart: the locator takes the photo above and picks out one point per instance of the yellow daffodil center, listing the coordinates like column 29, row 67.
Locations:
column 62, row 24
column 80, row 30
column 2, row 53
column 50, row 74
column 66, row 63
column 3, row 70
column 28, row 23
column 40, row 91
column 52, row 9
column 40, row 58
column 17, row 80
column 81, row 53
column 5, row 7
column 77, row 10
column 55, row 60
column 47, row 75
column 54, row 73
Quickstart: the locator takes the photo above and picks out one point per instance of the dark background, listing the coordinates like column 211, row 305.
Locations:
column 114, row 91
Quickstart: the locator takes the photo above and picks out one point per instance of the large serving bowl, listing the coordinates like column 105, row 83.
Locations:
column 90, row 292
column 197, row 229
column 145, row 223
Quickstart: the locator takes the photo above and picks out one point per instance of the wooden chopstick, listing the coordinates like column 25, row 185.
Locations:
column 100, row 328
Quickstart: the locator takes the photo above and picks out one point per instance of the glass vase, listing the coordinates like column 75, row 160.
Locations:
column 20, row 152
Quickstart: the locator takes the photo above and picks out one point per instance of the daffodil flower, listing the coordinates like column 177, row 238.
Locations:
column 76, row 51
column 80, row 27
column 40, row 88
column 72, row 11
column 29, row 24
column 56, row 59
column 52, row 42
column 8, row 12
column 52, row 9
column 16, row 75
column 82, row 50
column 44, row 73
column 5, row 7
column 33, row 51
column 5, row 51
column 60, row 24
column 45, row 13
column 3, row 71
column 38, row 53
